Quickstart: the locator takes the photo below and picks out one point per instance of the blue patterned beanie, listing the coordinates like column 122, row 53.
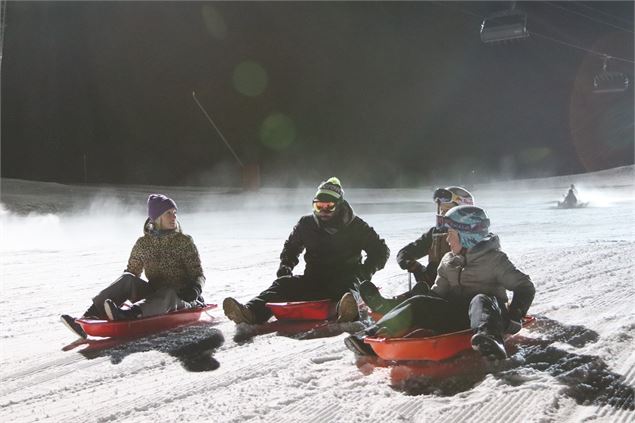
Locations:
column 470, row 222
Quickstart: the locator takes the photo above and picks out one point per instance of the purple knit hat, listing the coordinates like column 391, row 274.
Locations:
column 159, row 204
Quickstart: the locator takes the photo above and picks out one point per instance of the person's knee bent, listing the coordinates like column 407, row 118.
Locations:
column 484, row 300
column 283, row 282
column 485, row 312
column 161, row 301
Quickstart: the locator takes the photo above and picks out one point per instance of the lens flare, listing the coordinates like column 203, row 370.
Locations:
column 214, row 22
column 250, row 79
column 277, row 131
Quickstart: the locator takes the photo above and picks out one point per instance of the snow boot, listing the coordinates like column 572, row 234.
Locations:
column 347, row 309
column 93, row 314
column 373, row 299
column 115, row 313
column 356, row 344
column 75, row 327
column 490, row 346
column 237, row 312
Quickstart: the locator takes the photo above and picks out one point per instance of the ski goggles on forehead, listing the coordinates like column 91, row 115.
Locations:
column 442, row 195
column 444, row 222
column 328, row 206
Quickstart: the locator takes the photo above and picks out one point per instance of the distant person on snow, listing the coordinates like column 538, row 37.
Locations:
column 333, row 239
column 469, row 291
column 171, row 263
column 570, row 199
column 432, row 244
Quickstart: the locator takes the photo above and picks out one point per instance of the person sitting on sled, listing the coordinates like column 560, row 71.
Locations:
column 432, row 244
column 570, row 199
column 333, row 239
column 171, row 263
column 469, row 291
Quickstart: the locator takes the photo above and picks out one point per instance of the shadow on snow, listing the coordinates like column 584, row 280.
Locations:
column 192, row 345
column 295, row 329
column 587, row 378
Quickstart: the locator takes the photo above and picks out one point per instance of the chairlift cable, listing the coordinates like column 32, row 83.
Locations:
column 544, row 36
column 589, row 17
column 604, row 13
column 583, row 49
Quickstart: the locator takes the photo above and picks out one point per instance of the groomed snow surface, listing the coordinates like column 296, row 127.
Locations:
column 62, row 244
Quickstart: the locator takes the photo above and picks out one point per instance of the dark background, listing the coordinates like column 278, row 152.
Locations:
column 380, row 94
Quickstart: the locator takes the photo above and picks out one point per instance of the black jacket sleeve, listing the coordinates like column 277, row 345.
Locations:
column 293, row 247
column 415, row 250
column 377, row 253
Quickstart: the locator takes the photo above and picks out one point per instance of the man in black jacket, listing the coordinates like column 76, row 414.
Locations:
column 333, row 239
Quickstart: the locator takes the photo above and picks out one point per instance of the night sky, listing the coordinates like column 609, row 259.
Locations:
column 380, row 94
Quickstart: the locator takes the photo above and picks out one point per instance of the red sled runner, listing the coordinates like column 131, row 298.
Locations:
column 429, row 348
column 146, row 325
column 296, row 319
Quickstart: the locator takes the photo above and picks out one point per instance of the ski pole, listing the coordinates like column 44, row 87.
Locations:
column 409, row 281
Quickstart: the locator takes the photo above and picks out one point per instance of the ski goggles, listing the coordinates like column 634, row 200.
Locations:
column 479, row 227
column 442, row 196
column 325, row 206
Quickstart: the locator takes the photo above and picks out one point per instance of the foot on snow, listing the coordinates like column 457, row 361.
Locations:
column 237, row 312
column 358, row 346
column 489, row 346
column 75, row 327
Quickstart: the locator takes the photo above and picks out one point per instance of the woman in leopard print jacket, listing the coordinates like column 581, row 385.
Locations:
column 171, row 264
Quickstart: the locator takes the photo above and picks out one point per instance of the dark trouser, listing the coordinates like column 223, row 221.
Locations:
column 488, row 314
column 420, row 288
column 152, row 301
column 482, row 313
column 298, row 288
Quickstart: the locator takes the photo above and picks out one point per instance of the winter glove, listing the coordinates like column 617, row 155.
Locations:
column 418, row 270
column 284, row 270
column 515, row 321
column 189, row 293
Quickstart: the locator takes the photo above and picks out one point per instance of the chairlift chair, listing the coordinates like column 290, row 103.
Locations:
column 504, row 26
column 610, row 81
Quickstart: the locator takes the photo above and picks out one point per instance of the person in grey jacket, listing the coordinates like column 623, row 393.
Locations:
column 432, row 244
column 470, row 291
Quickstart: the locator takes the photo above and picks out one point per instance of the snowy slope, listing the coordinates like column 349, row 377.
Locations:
column 61, row 244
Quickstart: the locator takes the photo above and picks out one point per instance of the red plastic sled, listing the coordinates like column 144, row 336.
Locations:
column 432, row 348
column 303, row 310
column 144, row 326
